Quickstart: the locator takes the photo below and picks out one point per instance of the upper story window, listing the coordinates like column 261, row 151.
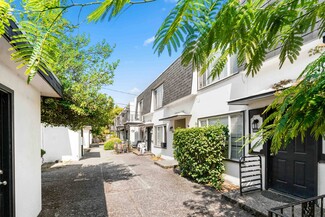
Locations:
column 230, row 68
column 140, row 110
column 158, row 97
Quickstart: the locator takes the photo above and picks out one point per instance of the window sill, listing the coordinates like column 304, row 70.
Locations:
column 231, row 160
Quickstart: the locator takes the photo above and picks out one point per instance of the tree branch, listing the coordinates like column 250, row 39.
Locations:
column 65, row 7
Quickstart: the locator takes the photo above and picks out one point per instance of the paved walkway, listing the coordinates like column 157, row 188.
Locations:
column 105, row 184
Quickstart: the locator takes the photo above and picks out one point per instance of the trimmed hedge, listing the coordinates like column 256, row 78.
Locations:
column 109, row 145
column 199, row 152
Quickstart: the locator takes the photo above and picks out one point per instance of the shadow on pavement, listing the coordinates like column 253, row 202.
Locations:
column 116, row 172
column 210, row 201
column 77, row 190
column 91, row 155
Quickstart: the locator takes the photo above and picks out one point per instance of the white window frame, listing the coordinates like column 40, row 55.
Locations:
column 158, row 143
column 158, row 104
column 205, row 80
column 229, row 128
column 140, row 110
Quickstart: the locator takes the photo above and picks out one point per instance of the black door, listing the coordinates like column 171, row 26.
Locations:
column 6, row 187
column 149, row 138
column 294, row 169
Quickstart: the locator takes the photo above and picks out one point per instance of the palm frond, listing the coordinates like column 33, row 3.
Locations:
column 108, row 8
column 5, row 16
column 36, row 46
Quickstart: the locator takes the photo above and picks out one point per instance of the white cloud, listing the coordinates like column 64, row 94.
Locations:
column 149, row 41
column 135, row 90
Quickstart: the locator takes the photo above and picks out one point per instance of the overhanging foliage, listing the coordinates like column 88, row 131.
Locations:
column 249, row 31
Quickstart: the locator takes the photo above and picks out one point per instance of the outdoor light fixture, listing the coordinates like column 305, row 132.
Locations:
column 255, row 126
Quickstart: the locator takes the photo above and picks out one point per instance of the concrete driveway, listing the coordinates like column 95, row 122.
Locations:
column 105, row 184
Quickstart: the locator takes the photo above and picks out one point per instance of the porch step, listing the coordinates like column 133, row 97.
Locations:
column 136, row 152
column 167, row 164
column 256, row 203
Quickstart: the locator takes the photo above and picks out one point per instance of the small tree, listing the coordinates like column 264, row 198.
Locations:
column 82, row 70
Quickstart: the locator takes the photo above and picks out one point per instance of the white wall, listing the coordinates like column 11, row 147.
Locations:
column 27, row 137
column 87, row 139
column 184, row 105
column 213, row 100
column 61, row 143
column 134, row 132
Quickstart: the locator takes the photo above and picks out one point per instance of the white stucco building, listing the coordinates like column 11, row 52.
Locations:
column 180, row 98
column 20, row 134
column 64, row 144
column 126, row 125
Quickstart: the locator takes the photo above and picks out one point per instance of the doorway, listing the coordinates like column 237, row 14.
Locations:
column 149, row 138
column 294, row 169
column 6, row 152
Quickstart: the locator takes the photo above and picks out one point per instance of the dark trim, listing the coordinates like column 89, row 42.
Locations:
column 175, row 116
column 48, row 76
column 240, row 101
column 11, row 181
column 251, row 113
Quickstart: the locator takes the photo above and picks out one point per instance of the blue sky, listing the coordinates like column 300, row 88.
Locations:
column 132, row 32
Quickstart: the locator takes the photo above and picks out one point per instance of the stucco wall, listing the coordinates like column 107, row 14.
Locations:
column 27, row 137
column 183, row 105
column 61, row 143
column 213, row 100
column 86, row 137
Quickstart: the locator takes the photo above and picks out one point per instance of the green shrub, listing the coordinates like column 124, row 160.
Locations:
column 199, row 152
column 109, row 145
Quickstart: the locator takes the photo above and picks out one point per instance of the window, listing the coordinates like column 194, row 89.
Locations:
column 158, row 97
column 140, row 110
column 161, row 136
column 206, row 79
column 236, row 131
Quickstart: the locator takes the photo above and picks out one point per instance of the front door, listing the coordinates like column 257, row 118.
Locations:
column 149, row 138
column 6, row 187
column 294, row 169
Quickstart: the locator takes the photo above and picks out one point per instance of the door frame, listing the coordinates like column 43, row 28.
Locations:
column 11, row 181
column 269, row 169
column 149, row 138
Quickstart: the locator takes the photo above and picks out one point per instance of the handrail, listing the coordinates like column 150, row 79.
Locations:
column 250, row 173
column 308, row 208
